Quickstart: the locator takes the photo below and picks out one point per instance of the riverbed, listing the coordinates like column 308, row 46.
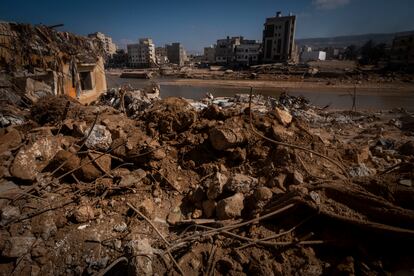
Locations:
column 367, row 98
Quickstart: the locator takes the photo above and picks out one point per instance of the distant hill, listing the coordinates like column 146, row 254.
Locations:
column 344, row 41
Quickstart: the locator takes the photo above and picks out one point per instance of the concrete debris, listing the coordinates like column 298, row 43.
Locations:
column 100, row 138
column 361, row 170
column 225, row 138
column 215, row 185
column 191, row 167
column 32, row 159
column 283, row 116
column 230, row 207
column 142, row 254
column 84, row 213
column 240, row 183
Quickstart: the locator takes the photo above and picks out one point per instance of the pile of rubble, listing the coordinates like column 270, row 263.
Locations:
column 245, row 185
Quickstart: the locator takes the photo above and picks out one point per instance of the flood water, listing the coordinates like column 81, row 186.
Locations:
column 335, row 99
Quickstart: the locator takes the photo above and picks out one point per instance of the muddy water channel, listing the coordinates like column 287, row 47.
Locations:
column 336, row 99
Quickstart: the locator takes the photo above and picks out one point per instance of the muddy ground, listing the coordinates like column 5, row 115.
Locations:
column 137, row 186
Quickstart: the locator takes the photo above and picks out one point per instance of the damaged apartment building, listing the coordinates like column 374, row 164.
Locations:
column 37, row 60
column 237, row 51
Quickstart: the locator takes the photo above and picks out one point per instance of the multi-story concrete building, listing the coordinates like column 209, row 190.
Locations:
column 161, row 55
column 108, row 45
column 403, row 51
column 237, row 51
column 247, row 53
column 278, row 38
column 176, row 53
column 142, row 54
column 225, row 49
column 210, row 54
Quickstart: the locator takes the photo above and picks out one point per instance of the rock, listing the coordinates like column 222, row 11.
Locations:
column 104, row 161
column 230, row 207
column 121, row 227
column 224, row 138
column 297, row 178
column 174, row 216
column 263, row 194
column 147, row 208
column 158, row 154
column 89, row 171
column 283, row 116
column 9, row 213
column 361, row 170
column 100, row 138
column 10, row 140
column 407, row 148
column 215, row 185
column 280, row 133
column 70, row 160
column 32, row 159
column 240, row 183
column 209, row 208
column 197, row 213
column 142, row 254
column 15, row 247
column 84, row 213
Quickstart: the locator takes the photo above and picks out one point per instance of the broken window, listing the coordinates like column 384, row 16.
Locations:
column 86, row 80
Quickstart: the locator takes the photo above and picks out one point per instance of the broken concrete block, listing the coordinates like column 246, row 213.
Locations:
column 142, row 253
column 283, row 116
column 215, row 185
column 225, row 138
column 240, row 183
column 32, row 159
column 99, row 139
column 15, row 247
column 84, row 213
column 230, row 207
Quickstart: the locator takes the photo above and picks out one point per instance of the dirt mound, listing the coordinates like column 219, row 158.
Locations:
column 239, row 186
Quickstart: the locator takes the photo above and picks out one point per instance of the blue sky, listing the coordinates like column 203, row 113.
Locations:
column 198, row 23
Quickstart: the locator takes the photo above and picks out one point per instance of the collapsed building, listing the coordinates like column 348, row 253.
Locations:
column 37, row 60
